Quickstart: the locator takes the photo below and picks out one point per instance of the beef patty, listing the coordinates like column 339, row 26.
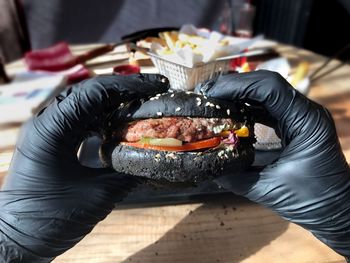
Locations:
column 182, row 128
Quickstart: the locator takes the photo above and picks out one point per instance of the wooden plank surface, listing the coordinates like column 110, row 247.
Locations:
column 222, row 231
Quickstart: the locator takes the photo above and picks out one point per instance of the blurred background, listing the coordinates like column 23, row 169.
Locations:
column 320, row 26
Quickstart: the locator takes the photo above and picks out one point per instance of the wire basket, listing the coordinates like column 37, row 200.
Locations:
column 186, row 78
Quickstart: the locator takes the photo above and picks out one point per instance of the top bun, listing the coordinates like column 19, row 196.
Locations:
column 180, row 104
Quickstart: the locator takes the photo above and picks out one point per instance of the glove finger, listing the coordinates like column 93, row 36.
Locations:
column 133, row 85
column 65, row 123
column 261, row 115
column 240, row 183
column 270, row 90
column 108, row 185
column 82, row 104
column 267, row 88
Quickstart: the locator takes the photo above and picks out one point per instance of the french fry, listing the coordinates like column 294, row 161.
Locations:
column 155, row 40
column 170, row 38
column 192, row 39
column 301, row 72
column 246, row 67
column 173, row 41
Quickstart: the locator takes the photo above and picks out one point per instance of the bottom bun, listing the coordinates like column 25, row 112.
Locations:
column 184, row 167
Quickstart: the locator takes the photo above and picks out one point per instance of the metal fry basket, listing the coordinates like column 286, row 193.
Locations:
column 186, row 78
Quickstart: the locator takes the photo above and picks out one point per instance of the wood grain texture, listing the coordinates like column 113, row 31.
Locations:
column 224, row 231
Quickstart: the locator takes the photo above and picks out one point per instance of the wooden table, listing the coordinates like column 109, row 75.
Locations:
column 227, row 230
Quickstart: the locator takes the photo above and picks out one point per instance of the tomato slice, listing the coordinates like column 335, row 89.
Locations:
column 191, row 146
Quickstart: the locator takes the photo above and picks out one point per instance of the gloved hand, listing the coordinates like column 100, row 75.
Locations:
column 310, row 182
column 49, row 201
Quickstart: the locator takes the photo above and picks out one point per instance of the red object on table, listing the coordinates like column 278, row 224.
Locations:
column 59, row 57
column 126, row 70
column 237, row 62
column 55, row 59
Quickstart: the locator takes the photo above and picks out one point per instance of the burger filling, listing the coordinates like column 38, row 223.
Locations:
column 183, row 133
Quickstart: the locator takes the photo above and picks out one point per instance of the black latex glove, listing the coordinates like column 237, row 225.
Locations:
column 310, row 182
column 49, row 201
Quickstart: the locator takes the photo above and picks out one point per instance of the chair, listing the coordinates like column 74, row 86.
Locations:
column 14, row 39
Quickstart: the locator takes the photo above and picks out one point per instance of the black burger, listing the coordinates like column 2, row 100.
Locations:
column 179, row 137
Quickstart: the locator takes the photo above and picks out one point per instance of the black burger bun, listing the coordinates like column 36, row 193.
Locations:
column 169, row 166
